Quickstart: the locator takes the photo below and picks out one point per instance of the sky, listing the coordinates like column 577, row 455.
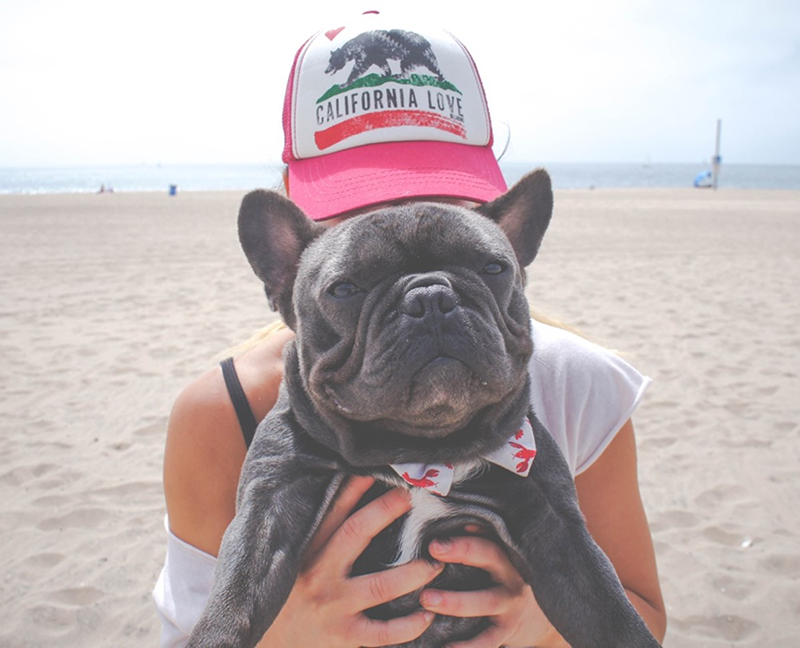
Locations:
column 91, row 82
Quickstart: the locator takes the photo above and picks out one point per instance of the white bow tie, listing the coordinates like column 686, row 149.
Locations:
column 515, row 455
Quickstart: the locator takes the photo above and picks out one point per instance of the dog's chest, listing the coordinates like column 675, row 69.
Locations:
column 426, row 508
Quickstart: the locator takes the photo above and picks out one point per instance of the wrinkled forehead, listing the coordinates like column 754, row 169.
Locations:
column 412, row 238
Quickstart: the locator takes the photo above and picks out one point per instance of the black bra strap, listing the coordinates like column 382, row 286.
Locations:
column 244, row 412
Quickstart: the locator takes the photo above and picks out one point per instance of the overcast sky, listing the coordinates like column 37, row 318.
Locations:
column 89, row 82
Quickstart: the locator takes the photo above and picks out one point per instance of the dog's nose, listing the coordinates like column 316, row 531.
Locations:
column 426, row 300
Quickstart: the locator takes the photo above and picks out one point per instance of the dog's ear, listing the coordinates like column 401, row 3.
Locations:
column 523, row 213
column 273, row 232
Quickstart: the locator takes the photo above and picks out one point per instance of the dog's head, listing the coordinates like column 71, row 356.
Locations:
column 413, row 332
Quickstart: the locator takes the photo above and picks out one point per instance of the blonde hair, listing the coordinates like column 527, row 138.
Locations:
column 545, row 319
column 258, row 337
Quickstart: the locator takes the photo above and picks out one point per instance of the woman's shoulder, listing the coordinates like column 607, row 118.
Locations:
column 557, row 342
column 582, row 392
column 564, row 354
column 206, row 400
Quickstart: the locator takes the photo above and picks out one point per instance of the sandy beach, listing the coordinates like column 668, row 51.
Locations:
column 111, row 304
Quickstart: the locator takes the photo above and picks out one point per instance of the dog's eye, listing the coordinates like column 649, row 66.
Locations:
column 493, row 268
column 344, row 289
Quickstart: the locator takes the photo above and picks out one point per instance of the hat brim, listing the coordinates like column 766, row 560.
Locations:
column 329, row 185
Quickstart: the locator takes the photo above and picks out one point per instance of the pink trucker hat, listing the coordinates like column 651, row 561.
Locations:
column 380, row 110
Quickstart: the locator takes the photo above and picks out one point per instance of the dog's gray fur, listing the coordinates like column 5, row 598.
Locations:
column 412, row 344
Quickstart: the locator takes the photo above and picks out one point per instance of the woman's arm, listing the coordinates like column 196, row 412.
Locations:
column 203, row 457
column 608, row 494
column 205, row 448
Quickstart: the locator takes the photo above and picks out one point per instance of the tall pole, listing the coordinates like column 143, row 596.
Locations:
column 717, row 161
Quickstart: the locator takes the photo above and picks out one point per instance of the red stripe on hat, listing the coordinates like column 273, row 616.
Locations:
column 335, row 134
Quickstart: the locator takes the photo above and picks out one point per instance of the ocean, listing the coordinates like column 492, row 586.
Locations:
column 221, row 177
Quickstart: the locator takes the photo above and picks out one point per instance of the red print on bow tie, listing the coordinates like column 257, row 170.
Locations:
column 520, row 433
column 526, row 454
column 425, row 481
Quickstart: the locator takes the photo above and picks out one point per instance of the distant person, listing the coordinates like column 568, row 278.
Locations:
column 352, row 146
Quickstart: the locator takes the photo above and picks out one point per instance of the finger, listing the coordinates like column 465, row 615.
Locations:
column 384, row 586
column 396, row 631
column 358, row 530
column 346, row 499
column 479, row 603
column 476, row 552
column 492, row 637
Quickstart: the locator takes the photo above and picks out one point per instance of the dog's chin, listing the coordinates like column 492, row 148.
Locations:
column 440, row 392
column 440, row 399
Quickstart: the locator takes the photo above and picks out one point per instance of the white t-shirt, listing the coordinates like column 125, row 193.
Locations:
column 581, row 392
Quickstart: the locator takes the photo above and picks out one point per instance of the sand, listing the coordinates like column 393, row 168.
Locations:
column 110, row 304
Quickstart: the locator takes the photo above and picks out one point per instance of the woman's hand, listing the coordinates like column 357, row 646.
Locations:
column 326, row 606
column 516, row 618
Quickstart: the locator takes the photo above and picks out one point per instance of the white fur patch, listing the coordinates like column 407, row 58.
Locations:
column 425, row 507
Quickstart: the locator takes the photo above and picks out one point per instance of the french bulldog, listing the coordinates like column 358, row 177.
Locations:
column 410, row 364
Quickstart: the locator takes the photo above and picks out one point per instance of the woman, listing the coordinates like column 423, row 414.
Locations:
column 377, row 113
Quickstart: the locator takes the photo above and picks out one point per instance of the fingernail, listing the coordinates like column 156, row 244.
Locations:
column 440, row 546
column 428, row 616
column 431, row 598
